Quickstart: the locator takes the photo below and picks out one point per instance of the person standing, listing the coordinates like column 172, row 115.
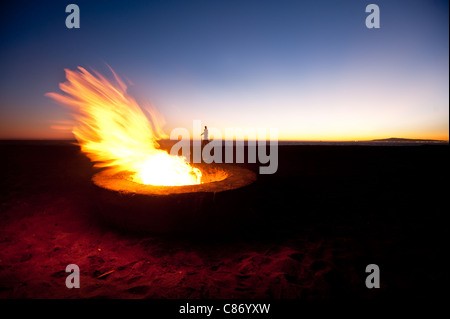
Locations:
column 205, row 136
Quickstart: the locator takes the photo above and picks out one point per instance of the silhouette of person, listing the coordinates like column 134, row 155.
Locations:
column 205, row 136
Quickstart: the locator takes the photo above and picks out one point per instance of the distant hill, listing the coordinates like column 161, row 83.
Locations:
column 407, row 140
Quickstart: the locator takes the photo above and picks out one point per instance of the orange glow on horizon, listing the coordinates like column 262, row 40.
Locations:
column 64, row 132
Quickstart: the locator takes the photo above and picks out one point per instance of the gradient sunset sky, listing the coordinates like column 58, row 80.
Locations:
column 309, row 68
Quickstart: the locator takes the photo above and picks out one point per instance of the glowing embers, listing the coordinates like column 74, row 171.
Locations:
column 166, row 170
column 215, row 178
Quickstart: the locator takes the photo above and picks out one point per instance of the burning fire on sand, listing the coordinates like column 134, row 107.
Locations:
column 115, row 133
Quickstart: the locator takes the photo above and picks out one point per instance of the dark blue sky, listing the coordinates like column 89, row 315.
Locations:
column 310, row 68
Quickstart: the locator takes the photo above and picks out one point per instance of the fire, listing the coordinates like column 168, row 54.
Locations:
column 114, row 132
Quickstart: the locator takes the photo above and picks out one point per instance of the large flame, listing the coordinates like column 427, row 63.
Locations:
column 113, row 131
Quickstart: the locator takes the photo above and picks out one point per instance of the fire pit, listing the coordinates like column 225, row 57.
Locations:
column 143, row 187
column 220, row 199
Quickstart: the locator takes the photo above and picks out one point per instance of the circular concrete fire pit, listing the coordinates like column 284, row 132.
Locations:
column 222, row 198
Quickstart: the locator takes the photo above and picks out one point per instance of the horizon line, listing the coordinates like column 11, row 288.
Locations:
column 246, row 140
